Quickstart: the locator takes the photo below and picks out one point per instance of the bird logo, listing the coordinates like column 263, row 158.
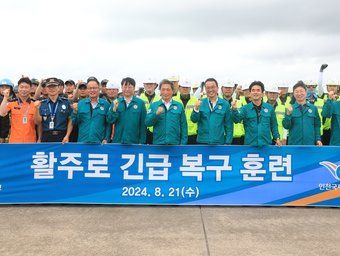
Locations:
column 332, row 168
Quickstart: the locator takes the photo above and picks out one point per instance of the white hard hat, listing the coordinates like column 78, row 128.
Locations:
column 310, row 82
column 150, row 81
column 272, row 89
column 282, row 85
column 228, row 83
column 173, row 78
column 332, row 82
column 185, row 83
column 112, row 85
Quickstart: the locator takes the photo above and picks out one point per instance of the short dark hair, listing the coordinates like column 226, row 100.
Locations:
column 128, row 80
column 258, row 83
column 166, row 81
column 211, row 80
column 25, row 80
column 300, row 84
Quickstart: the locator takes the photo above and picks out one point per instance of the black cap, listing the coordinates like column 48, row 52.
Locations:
column 104, row 82
column 92, row 78
column 35, row 81
column 82, row 85
column 51, row 81
column 61, row 83
column 70, row 81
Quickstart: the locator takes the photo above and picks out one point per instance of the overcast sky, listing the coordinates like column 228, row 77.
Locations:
column 240, row 40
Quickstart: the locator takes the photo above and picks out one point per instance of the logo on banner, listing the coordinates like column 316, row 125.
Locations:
column 332, row 168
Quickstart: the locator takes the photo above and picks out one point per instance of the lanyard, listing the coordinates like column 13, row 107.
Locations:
column 20, row 103
column 55, row 110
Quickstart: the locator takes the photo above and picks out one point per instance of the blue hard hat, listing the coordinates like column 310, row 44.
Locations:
column 7, row 82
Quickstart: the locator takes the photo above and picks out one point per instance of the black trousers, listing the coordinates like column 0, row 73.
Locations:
column 238, row 141
column 53, row 136
column 326, row 137
column 192, row 139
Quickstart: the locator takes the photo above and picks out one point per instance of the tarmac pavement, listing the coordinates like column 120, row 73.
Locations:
column 168, row 230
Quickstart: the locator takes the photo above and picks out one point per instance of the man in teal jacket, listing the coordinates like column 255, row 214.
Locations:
column 213, row 116
column 302, row 119
column 331, row 109
column 258, row 118
column 90, row 115
column 167, row 117
column 128, row 114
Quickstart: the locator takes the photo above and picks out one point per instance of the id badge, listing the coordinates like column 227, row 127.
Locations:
column 51, row 125
column 24, row 120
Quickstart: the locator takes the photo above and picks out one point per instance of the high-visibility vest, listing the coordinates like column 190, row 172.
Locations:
column 192, row 127
column 319, row 105
column 147, row 104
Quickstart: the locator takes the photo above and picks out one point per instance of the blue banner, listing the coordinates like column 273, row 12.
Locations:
column 169, row 175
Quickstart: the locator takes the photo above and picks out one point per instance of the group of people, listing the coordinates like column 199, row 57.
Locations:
column 170, row 112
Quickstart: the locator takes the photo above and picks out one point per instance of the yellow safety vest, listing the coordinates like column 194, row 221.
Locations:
column 319, row 104
column 147, row 104
column 192, row 127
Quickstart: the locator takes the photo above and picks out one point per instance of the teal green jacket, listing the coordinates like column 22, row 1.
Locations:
column 92, row 124
column 129, row 121
column 170, row 127
column 259, row 130
column 214, row 126
column 303, row 125
column 331, row 109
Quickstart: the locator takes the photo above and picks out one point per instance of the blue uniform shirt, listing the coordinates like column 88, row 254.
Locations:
column 61, row 110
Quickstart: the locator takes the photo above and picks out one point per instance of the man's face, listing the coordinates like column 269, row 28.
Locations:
column 60, row 89
column 332, row 88
column 272, row 96
column 52, row 90
column 44, row 91
column 211, row 88
column 112, row 93
column 103, row 89
column 69, row 89
column 227, row 91
column 300, row 94
column 83, row 92
column 4, row 87
column 128, row 90
column 150, row 88
column 176, row 85
column 24, row 90
column 33, row 89
column 166, row 92
column 256, row 93
column 93, row 89
column 310, row 88
column 184, row 90
column 283, row 90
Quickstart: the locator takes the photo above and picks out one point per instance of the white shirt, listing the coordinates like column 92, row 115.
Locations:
column 127, row 102
column 167, row 105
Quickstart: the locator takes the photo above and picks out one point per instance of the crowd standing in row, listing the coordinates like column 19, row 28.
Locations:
column 173, row 112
